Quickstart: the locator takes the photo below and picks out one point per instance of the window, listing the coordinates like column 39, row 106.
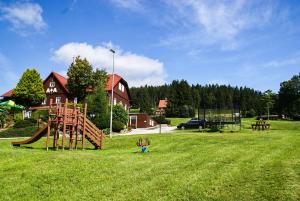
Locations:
column 52, row 84
column 58, row 99
column 121, row 87
column 27, row 114
column 44, row 101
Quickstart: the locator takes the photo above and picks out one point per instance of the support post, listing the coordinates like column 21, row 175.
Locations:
column 77, row 126
column 84, row 125
column 101, row 138
column 64, row 124
column 74, row 121
column 49, row 125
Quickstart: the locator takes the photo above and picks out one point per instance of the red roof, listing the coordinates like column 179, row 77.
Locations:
column 162, row 103
column 110, row 80
column 8, row 94
column 63, row 81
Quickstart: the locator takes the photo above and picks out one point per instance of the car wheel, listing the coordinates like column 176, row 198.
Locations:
column 182, row 127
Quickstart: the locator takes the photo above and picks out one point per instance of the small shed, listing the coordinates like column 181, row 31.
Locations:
column 162, row 105
column 141, row 120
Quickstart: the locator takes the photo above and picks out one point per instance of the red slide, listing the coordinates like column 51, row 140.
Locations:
column 36, row 136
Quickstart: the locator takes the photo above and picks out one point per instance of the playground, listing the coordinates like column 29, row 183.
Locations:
column 183, row 165
column 67, row 120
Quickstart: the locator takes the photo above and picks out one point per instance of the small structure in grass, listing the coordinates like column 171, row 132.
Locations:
column 260, row 125
column 143, row 143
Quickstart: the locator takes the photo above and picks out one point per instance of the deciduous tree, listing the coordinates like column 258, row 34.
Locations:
column 29, row 90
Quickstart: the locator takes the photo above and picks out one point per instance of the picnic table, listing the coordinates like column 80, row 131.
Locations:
column 260, row 125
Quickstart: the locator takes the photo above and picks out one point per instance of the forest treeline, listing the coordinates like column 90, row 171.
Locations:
column 184, row 99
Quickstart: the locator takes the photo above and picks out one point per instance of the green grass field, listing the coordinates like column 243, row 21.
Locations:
column 176, row 121
column 185, row 165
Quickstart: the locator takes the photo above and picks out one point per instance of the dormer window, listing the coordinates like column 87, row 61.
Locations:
column 121, row 87
column 52, row 84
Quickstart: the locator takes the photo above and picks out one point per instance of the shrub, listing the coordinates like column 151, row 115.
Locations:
column 25, row 123
column 42, row 114
column 296, row 117
column 17, row 116
column 3, row 119
column 120, row 114
column 18, row 132
column 161, row 120
column 106, row 131
column 101, row 122
column 251, row 113
column 117, row 126
column 214, row 128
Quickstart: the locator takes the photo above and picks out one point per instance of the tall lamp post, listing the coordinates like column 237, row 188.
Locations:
column 112, row 94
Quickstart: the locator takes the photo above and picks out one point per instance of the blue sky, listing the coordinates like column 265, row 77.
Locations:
column 239, row 42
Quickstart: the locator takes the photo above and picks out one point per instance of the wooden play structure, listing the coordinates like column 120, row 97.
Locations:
column 69, row 123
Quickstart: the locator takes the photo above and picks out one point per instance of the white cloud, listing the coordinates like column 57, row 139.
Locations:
column 218, row 22
column 202, row 23
column 136, row 69
column 282, row 63
column 24, row 17
column 128, row 4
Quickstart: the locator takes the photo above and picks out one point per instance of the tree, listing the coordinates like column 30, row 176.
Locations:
column 289, row 96
column 80, row 77
column 180, row 101
column 120, row 114
column 99, row 77
column 268, row 99
column 98, row 107
column 29, row 90
column 145, row 103
column 181, row 97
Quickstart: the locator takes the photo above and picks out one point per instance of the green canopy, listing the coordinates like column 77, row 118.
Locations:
column 11, row 105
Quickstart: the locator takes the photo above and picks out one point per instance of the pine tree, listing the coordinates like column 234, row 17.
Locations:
column 98, row 107
column 145, row 102
column 29, row 90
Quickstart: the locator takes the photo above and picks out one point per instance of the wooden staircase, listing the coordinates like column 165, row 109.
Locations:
column 93, row 134
column 72, row 120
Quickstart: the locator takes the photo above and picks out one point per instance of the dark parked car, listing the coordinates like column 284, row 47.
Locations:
column 193, row 123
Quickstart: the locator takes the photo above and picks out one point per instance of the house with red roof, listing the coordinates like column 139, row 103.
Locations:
column 55, row 86
column 162, row 105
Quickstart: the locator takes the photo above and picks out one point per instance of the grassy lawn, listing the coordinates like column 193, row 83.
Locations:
column 176, row 121
column 185, row 165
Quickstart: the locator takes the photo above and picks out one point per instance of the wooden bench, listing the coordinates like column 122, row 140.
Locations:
column 260, row 125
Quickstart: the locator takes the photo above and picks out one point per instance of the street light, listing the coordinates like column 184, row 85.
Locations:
column 112, row 93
